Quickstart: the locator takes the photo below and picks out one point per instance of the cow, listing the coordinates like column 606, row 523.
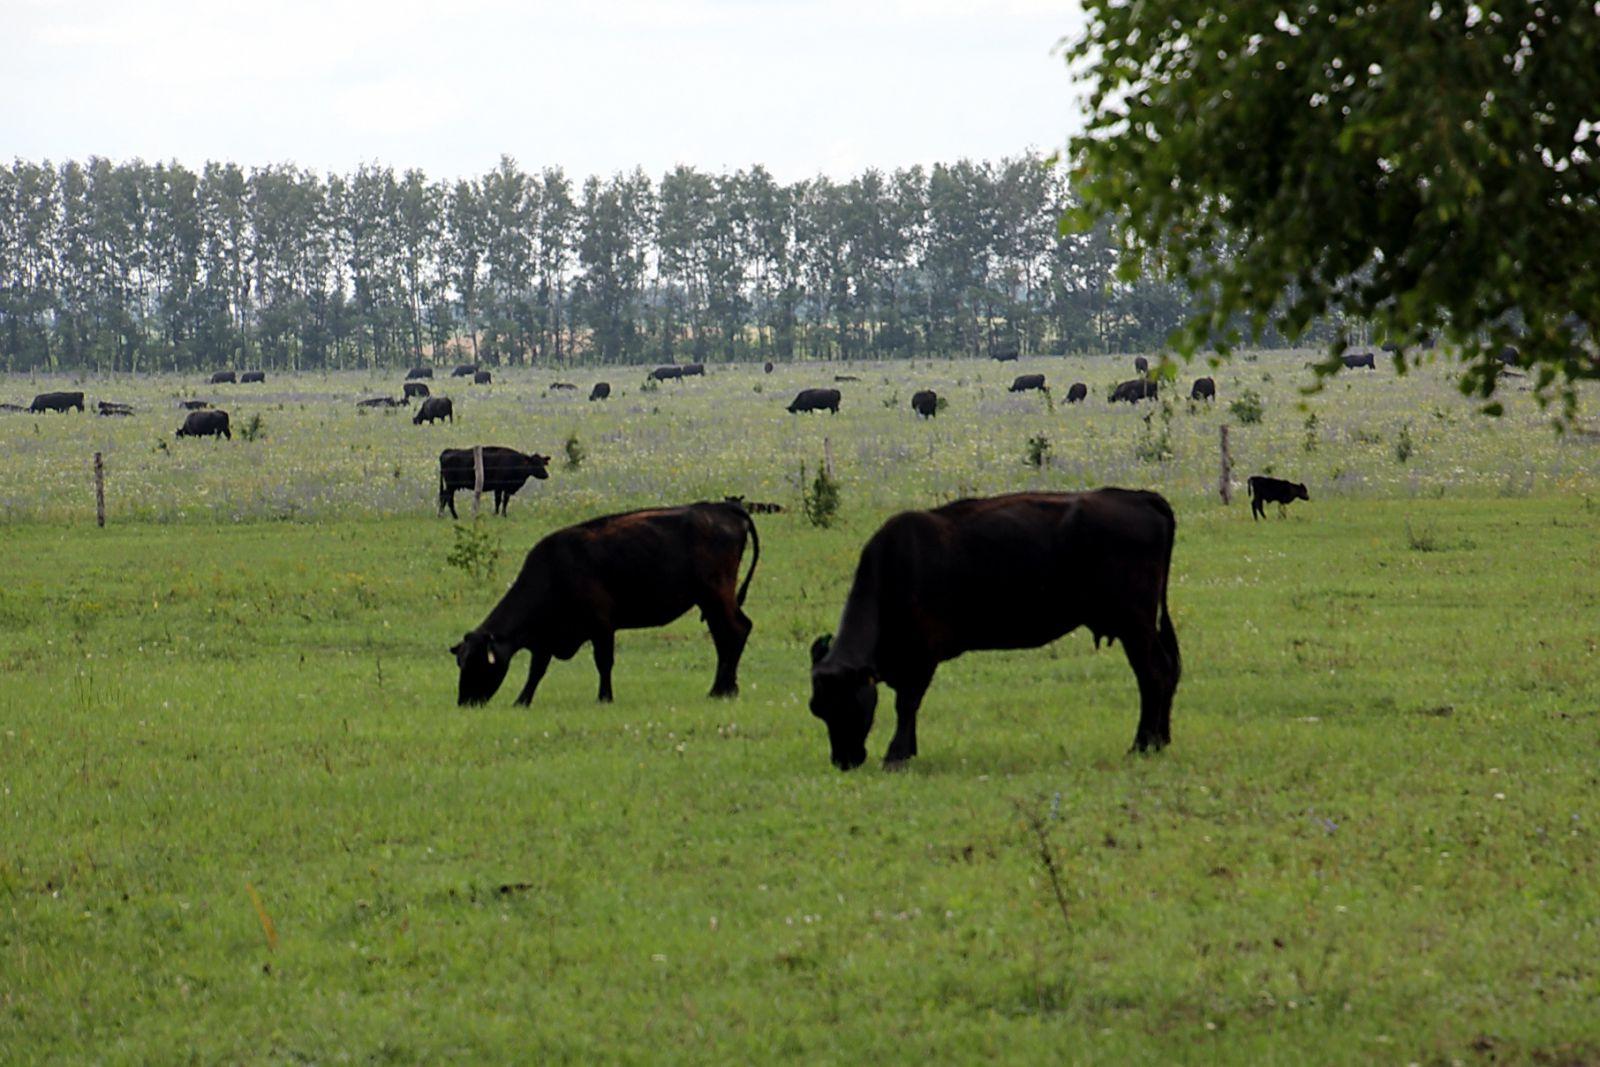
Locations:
column 767, row 367
column 561, row 387
column 601, row 391
column 1014, row 571
column 383, row 402
column 1025, row 382
column 205, row 424
column 665, row 374
column 1005, row 352
column 194, row 405
column 62, row 402
column 1390, row 347
column 415, row 389
column 925, row 402
column 253, row 376
column 1352, row 360
column 1134, row 390
column 815, row 400
column 505, row 470
column 435, row 407
column 1203, row 389
column 694, row 370
column 1141, row 364
column 1508, row 355
column 755, row 507
column 482, row 377
column 846, row 378
column 419, row 372
column 583, row 583
column 1076, row 392
column 1263, row 490
column 112, row 408
column 464, row 370
column 222, row 377
column 12, row 408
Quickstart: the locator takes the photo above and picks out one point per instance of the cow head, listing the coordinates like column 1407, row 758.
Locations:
column 1299, row 490
column 484, row 661
column 540, row 465
column 845, row 699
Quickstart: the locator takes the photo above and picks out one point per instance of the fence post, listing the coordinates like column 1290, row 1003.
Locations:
column 1225, row 479
column 99, row 491
column 827, row 457
column 477, row 477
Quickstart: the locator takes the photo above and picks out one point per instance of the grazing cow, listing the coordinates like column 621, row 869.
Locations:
column 621, row 572
column 222, row 377
column 601, row 391
column 1352, row 360
column 1025, row 382
column 846, row 378
column 1204, row 389
column 815, row 400
column 1141, row 364
column 1134, row 390
column 694, row 370
column 62, row 402
column 253, row 376
column 419, row 372
column 435, row 407
column 1263, row 490
column 108, row 407
column 482, row 377
column 1078, row 391
column 755, row 507
column 464, row 370
column 205, row 424
column 560, row 387
column 664, row 374
column 383, row 402
column 767, row 367
column 415, row 389
column 1390, row 347
column 12, row 408
column 1014, row 571
column 505, row 470
column 925, row 402
column 1508, row 355
column 1005, row 352
column 194, row 405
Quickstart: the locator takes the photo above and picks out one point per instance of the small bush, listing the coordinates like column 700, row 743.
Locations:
column 1249, row 408
column 575, row 451
column 1037, row 453
column 250, row 429
column 1155, row 446
column 1310, row 443
column 650, row 385
column 819, row 501
column 1403, row 445
column 476, row 550
column 940, row 403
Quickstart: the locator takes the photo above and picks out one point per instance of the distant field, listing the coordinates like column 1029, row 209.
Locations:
column 1372, row 840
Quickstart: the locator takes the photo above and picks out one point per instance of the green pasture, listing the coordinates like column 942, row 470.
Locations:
column 242, row 819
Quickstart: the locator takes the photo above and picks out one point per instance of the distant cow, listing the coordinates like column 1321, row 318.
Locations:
column 223, row 376
column 194, row 405
column 755, row 507
column 1025, row 382
column 694, row 370
column 482, row 377
column 1002, row 572
column 1359, row 359
column 415, row 389
column 1263, row 490
column 110, row 408
column 815, row 400
column 435, row 407
column 1004, row 352
column 1508, row 355
column 666, row 374
column 767, row 367
column 205, row 424
column 419, row 372
column 925, row 402
column 601, row 391
column 846, row 378
column 253, row 376
column 464, row 370
column 561, row 387
column 1134, row 390
column 1141, row 364
column 1204, row 389
column 383, row 402
column 621, row 572
column 12, row 408
column 505, row 470
column 62, row 402
column 1076, row 392
column 1390, row 347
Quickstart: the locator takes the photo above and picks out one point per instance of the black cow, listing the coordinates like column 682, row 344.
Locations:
column 464, row 370
column 601, row 391
column 1359, row 359
column 1263, row 490
column 1025, row 382
column 559, row 387
column 1203, row 389
column 1390, row 347
column 767, row 367
column 12, row 408
column 1004, row 352
column 815, row 400
column 1134, row 390
column 505, row 470
column 194, row 405
column 666, row 374
column 416, row 389
column 205, row 424
column 253, row 376
column 1141, row 364
column 482, row 377
column 383, row 402
column 1508, row 355
column 111, row 408
column 1078, row 391
column 435, row 407
column 846, row 378
column 62, row 402
column 419, row 372
column 223, row 376
column 1013, row 571
column 621, row 572
column 694, row 370
column 925, row 402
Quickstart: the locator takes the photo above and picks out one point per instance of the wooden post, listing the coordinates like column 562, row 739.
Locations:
column 1225, row 479
column 477, row 478
column 827, row 457
column 99, row 491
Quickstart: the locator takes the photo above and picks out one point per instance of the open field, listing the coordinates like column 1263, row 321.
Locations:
column 1372, row 840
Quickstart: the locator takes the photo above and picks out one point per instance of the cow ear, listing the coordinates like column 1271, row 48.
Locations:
column 819, row 648
column 455, row 649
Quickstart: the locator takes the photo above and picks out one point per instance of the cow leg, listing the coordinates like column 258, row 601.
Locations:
column 730, row 629
column 536, row 669
column 907, row 699
column 1156, row 668
column 452, row 502
column 605, row 654
column 1256, row 510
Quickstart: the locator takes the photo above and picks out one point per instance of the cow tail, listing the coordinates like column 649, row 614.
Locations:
column 441, row 485
column 1169, row 636
column 1250, row 487
column 755, row 541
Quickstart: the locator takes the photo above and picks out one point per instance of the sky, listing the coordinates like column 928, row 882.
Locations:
column 803, row 87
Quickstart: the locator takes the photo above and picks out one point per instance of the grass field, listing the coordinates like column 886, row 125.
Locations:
column 245, row 821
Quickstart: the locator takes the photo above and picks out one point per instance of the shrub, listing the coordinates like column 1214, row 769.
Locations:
column 1310, row 443
column 1155, row 446
column 575, row 452
column 1403, row 445
column 1249, row 407
column 476, row 550
column 1037, row 453
column 819, row 501
column 250, row 429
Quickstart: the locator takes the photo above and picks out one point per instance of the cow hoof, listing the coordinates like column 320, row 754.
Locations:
column 725, row 694
column 893, row 766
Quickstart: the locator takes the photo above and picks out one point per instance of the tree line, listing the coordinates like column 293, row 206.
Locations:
column 137, row 266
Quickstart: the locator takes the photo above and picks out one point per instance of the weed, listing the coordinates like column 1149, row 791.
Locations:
column 1310, row 442
column 819, row 501
column 1155, row 445
column 1422, row 539
column 1403, row 445
column 575, row 451
column 1037, row 453
column 251, row 428
column 1249, row 408
column 476, row 551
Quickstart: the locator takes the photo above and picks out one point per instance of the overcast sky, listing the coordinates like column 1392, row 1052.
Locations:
column 801, row 86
